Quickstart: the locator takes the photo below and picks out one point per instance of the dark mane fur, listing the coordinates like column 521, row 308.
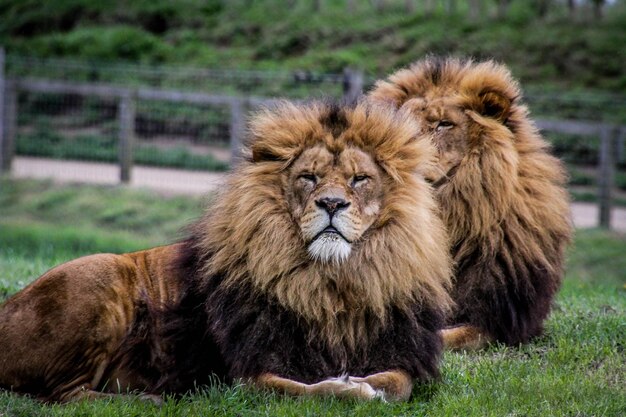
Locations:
column 258, row 335
column 518, row 292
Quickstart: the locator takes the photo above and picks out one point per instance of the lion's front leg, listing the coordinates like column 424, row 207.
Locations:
column 345, row 387
column 390, row 385
column 465, row 337
column 84, row 392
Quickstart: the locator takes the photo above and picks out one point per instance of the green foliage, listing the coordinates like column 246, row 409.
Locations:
column 111, row 42
column 575, row 149
column 47, row 143
column 32, row 17
column 177, row 157
column 554, row 50
column 576, row 105
column 620, row 180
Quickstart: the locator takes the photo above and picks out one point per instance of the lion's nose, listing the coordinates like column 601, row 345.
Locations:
column 332, row 205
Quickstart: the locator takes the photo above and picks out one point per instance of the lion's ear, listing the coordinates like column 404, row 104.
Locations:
column 495, row 105
column 263, row 154
column 265, row 151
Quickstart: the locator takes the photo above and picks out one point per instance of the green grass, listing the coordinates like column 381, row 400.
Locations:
column 576, row 369
column 101, row 210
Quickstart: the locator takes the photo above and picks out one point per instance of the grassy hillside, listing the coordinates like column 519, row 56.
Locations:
column 576, row 369
column 555, row 50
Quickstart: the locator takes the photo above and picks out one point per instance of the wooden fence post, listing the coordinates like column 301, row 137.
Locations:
column 126, row 116
column 9, row 125
column 237, row 129
column 606, row 174
column 621, row 144
column 352, row 84
column 3, row 167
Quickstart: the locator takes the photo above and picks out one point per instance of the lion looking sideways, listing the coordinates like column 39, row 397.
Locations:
column 322, row 268
column 502, row 196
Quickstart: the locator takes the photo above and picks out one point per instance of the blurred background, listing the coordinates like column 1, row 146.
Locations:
column 155, row 93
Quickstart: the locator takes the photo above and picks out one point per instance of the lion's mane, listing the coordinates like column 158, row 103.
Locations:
column 265, row 299
column 506, row 207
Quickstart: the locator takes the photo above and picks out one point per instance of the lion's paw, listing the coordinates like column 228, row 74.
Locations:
column 346, row 386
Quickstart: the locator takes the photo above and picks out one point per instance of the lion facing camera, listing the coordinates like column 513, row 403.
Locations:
column 322, row 268
column 502, row 196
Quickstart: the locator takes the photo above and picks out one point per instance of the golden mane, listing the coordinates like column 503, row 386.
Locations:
column 241, row 298
column 506, row 201
column 250, row 236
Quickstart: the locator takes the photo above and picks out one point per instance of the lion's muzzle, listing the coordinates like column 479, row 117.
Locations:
column 330, row 243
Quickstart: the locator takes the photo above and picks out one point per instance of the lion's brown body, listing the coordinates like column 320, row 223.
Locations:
column 317, row 260
column 65, row 332
column 502, row 196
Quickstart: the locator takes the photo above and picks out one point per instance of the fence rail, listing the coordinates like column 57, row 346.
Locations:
column 610, row 136
column 352, row 86
column 126, row 97
column 126, row 111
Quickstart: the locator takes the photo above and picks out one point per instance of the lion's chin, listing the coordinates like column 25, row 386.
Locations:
column 330, row 247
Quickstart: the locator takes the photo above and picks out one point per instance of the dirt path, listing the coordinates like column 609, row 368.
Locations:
column 176, row 181
column 167, row 181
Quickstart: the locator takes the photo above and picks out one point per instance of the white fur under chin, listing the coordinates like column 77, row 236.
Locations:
column 330, row 247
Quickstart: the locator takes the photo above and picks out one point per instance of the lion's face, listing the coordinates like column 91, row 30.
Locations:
column 334, row 198
column 461, row 104
column 449, row 126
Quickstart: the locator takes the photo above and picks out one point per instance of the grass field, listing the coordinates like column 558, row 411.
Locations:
column 577, row 369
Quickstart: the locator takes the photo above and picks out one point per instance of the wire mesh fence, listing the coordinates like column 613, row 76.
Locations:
column 188, row 118
column 595, row 169
column 189, row 132
column 73, row 127
column 289, row 84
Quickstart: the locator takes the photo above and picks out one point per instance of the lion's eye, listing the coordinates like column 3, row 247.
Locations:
column 358, row 179
column 308, row 177
column 444, row 124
